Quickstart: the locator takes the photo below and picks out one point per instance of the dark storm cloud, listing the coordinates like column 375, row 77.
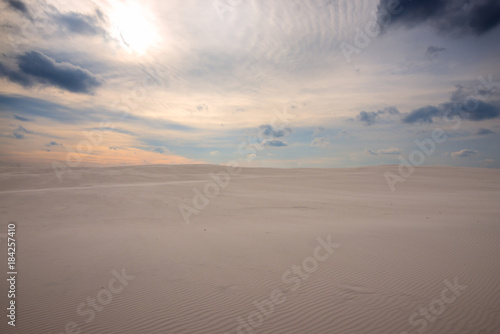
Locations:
column 447, row 16
column 37, row 68
column 63, row 75
column 485, row 16
column 18, row 5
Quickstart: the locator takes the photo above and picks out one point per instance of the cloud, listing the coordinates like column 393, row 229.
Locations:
column 464, row 154
column 78, row 23
column 367, row 117
column 202, row 107
column 70, row 22
column 42, row 108
column 15, row 76
column 462, row 93
column 52, row 143
column 22, row 129
column 477, row 109
column 389, row 110
column 23, row 119
column 275, row 143
column 485, row 15
column 160, row 150
column 464, row 103
column 18, row 5
column 480, row 110
column 63, row 75
column 268, row 131
column 483, row 131
column 370, row 117
column 214, row 152
column 117, row 130
column 37, row 68
column 422, row 115
column 267, row 135
column 29, row 106
column 384, row 151
column 457, row 17
column 20, row 132
column 320, row 142
column 433, row 51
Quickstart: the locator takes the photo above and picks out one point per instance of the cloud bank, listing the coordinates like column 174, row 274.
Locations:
column 35, row 68
column 454, row 17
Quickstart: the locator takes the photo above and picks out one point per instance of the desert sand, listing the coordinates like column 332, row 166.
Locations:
column 108, row 250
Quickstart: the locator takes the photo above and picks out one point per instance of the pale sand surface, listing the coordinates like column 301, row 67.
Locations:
column 396, row 250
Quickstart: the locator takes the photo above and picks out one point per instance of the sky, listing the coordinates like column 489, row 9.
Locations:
column 276, row 83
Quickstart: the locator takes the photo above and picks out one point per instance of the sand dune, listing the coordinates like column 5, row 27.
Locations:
column 109, row 250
